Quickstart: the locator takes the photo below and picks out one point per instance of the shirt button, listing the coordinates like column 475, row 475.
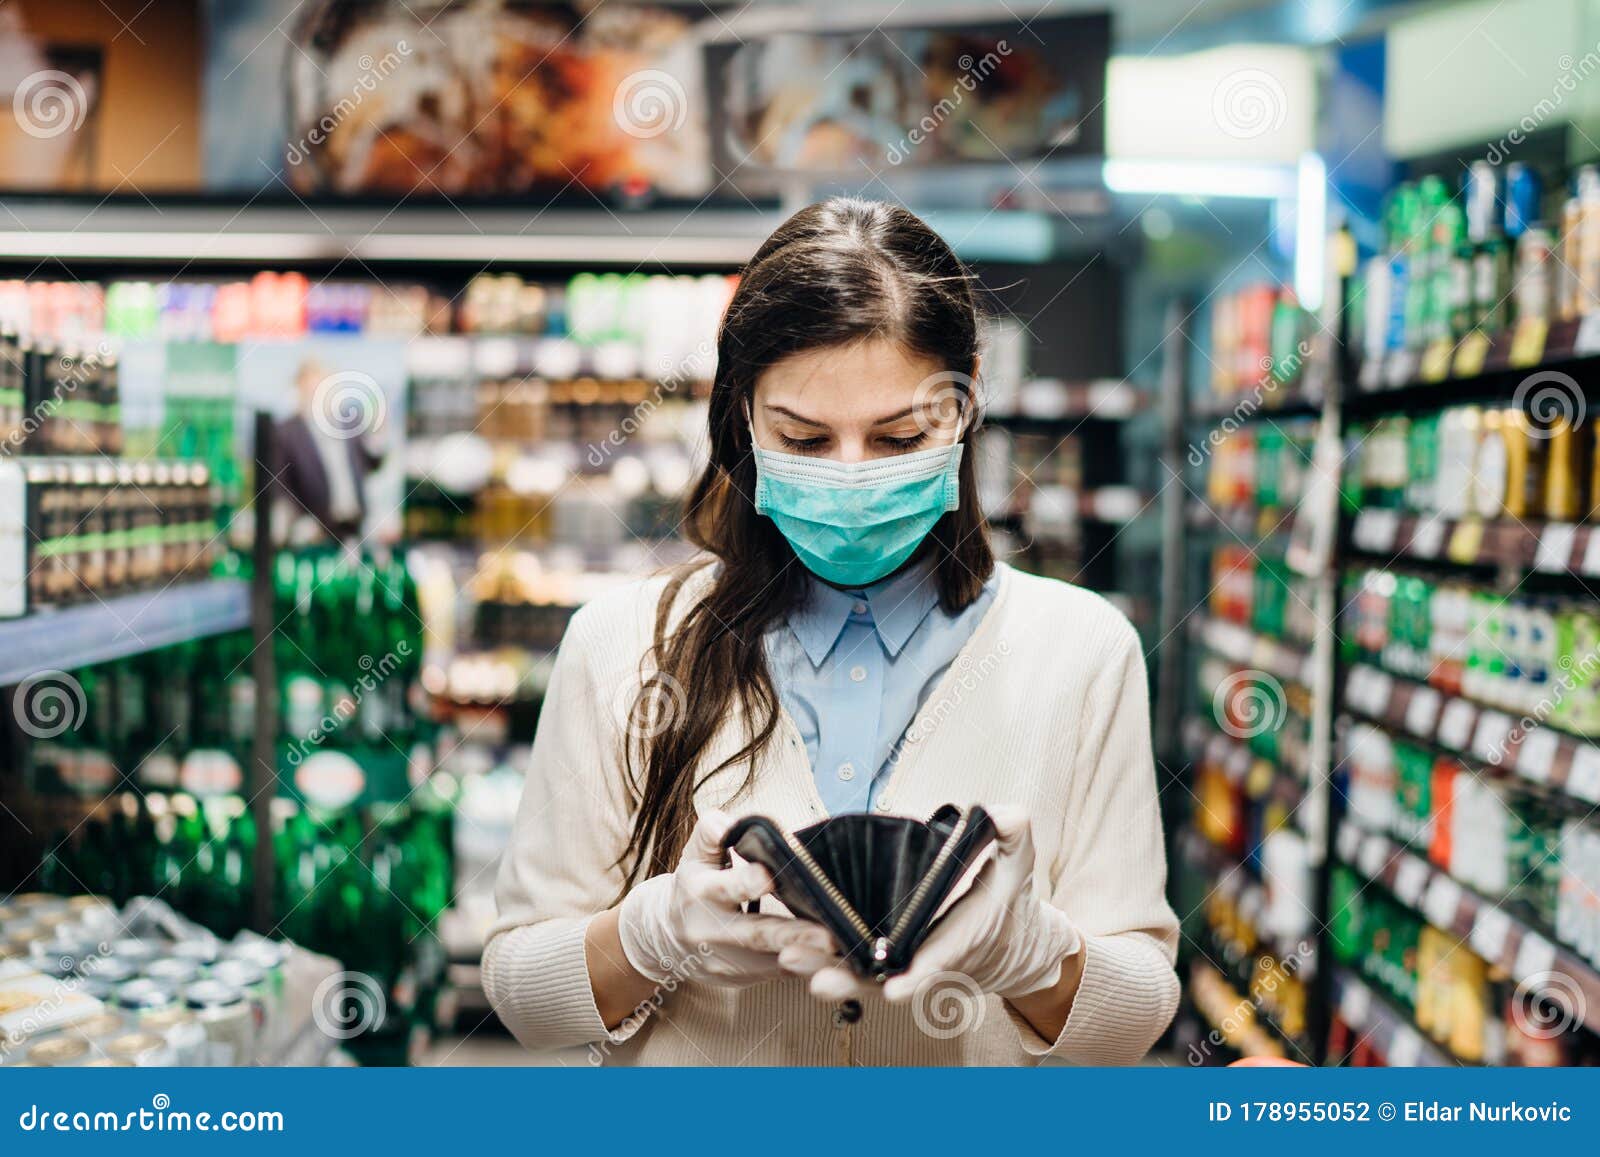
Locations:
column 847, row 772
column 857, row 673
column 882, row 804
column 859, row 608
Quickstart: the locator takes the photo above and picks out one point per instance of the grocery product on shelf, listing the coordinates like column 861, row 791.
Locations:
column 1533, row 655
column 1259, row 338
column 84, row 528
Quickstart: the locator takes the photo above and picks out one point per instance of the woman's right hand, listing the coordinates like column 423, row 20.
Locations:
column 688, row 925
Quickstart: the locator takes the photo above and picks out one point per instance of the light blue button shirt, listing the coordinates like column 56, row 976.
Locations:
column 853, row 667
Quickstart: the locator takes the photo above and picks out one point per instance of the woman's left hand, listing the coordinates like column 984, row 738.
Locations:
column 1000, row 935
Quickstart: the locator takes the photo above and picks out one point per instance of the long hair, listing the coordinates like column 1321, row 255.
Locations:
column 835, row 273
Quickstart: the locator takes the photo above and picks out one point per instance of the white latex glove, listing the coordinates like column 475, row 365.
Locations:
column 1000, row 935
column 687, row 925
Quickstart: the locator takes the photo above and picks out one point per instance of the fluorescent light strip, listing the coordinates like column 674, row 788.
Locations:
column 1188, row 178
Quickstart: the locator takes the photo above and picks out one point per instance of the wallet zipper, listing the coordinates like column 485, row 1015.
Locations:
column 827, row 885
column 921, row 892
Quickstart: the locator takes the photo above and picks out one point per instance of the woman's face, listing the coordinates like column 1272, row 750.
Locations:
column 857, row 402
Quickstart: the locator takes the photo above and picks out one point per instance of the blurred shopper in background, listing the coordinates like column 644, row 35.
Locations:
column 321, row 460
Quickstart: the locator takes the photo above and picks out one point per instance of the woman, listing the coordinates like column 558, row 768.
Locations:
column 849, row 644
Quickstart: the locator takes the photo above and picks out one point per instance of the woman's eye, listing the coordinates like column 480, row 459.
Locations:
column 910, row 442
column 801, row 445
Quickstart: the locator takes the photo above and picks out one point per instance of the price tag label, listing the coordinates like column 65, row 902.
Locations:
column 1409, row 879
column 1422, row 713
column 1436, row 361
column 1527, row 344
column 1405, row 1050
column 1379, row 690
column 1428, row 537
column 1466, row 541
column 1555, row 547
column 1492, row 736
column 1470, row 354
column 1535, row 956
column 1583, row 779
column 1371, row 376
column 1490, row 930
column 1355, row 1002
column 1374, row 853
column 1349, row 843
column 1536, row 754
column 1401, row 368
column 1442, row 901
column 1591, row 554
column 1588, row 340
column 1455, row 725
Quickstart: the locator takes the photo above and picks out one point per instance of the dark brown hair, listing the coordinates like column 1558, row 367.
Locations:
column 835, row 273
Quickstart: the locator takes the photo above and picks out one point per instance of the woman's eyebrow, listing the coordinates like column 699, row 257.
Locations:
column 801, row 418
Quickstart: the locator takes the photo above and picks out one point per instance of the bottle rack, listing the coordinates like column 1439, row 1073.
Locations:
column 1483, row 738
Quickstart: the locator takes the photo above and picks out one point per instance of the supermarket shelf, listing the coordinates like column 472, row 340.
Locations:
column 1288, row 781
column 98, row 632
column 1543, row 547
column 1493, row 933
column 1245, row 647
column 1390, row 1031
column 1051, row 401
column 1541, row 755
column 1243, row 519
column 1285, row 402
column 1052, row 509
column 1232, row 879
column 1476, row 365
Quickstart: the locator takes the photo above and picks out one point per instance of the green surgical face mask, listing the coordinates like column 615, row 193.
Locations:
column 852, row 523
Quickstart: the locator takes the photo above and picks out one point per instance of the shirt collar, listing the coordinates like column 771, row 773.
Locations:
column 897, row 604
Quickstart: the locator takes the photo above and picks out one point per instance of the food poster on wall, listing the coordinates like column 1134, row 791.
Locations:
column 865, row 102
column 458, row 100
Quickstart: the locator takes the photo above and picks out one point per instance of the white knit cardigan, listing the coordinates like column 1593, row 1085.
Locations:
column 1045, row 707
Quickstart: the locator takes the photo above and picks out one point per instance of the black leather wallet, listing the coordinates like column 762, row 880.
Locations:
column 876, row 882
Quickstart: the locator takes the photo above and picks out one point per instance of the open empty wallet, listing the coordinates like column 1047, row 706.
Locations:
column 876, row 882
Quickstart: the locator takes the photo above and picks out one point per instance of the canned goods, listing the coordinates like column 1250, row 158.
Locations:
column 173, row 971
column 201, row 950
column 60, row 957
column 62, row 1052
column 108, row 1063
column 143, row 996
column 113, row 969
column 134, row 950
column 229, row 1021
column 183, row 1032
column 147, row 1050
column 105, row 1024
